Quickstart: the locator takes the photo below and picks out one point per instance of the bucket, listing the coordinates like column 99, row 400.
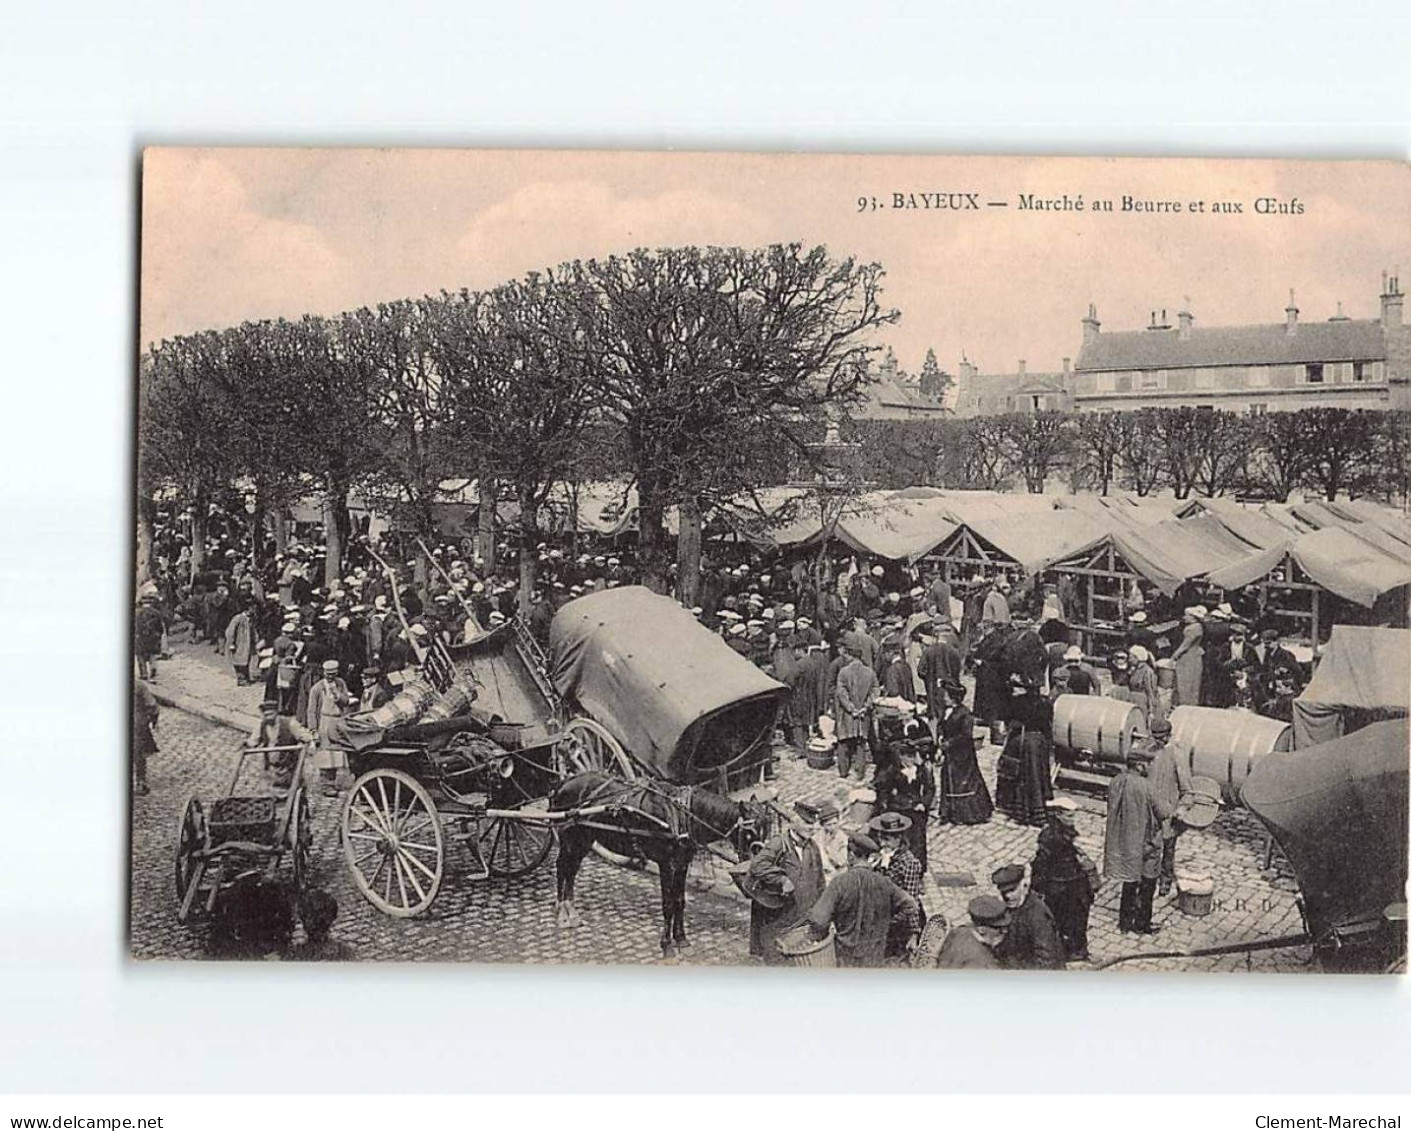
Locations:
column 800, row 948
column 1195, row 895
column 1096, row 723
column 821, row 759
column 1225, row 745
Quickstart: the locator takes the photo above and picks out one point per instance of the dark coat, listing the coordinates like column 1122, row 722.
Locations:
column 1032, row 941
column 783, row 858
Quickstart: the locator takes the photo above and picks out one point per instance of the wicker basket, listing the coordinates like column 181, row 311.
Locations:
column 242, row 818
column 800, row 948
column 1195, row 895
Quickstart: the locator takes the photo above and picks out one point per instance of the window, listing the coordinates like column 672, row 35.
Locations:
column 1313, row 373
column 1106, row 382
column 1258, row 409
column 1152, row 379
column 1358, row 373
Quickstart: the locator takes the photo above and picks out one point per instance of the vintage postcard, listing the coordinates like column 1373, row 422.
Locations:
column 915, row 562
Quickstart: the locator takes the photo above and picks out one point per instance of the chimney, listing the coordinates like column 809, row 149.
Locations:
column 1067, row 363
column 967, row 371
column 1391, row 302
column 1291, row 316
column 1339, row 316
column 1091, row 325
column 1021, row 367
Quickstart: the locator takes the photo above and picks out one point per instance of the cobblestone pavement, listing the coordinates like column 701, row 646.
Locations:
column 512, row 920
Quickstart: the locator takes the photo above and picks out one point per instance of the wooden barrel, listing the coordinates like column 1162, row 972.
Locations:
column 1097, row 724
column 1224, row 745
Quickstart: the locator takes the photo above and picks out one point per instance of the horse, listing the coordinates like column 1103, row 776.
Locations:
column 658, row 822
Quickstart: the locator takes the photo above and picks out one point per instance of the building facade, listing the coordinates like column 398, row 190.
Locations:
column 993, row 394
column 1343, row 362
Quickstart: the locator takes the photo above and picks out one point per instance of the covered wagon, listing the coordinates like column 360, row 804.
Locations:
column 683, row 705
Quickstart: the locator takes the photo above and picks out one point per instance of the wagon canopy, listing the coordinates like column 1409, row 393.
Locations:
column 1338, row 811
column 682, row 702
column 1363, row 675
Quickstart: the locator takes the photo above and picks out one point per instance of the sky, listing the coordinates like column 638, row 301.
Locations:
column 236, row 234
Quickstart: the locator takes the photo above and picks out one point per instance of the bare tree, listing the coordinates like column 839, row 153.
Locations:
column 701, row 347
column 1341, row 444
column 1283, row 455
column 1098, row 446
column 1037, row 443
column 1141, row 456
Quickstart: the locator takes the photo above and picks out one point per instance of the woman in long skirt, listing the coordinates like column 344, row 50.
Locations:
column 1188, row 659
column 964, row 797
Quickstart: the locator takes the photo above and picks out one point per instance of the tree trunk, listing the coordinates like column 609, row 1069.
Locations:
column 146, row 519
column 335, row 522
column 257, row 530
column 486, row 528
column 688, row 552
column 279, row 521
column 650, row 511
column 528, row 559
column 200, row 515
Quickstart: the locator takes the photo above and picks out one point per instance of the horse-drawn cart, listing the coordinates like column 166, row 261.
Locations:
column 240, row 836
column 480, row 772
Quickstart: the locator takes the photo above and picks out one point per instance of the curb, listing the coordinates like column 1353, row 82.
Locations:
column 222, row 716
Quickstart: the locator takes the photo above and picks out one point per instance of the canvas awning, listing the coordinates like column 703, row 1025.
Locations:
column 1170, row 553
column 1363, row 673
column 1035, row 541
column 1340, row 562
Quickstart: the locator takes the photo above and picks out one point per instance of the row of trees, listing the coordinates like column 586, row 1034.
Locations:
column 1330, row 451
column 696, row 372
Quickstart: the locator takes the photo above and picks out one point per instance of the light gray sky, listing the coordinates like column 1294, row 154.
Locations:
column 234, row 234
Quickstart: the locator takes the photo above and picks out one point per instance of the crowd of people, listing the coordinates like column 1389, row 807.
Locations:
column 875, row 656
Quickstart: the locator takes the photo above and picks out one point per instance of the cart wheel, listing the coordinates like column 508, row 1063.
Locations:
column 301, row 837
column 190, row 839
column 392, row 842
column 587, row 745
column 511, row 848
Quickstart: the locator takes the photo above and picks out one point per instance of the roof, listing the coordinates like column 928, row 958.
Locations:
column 887, row 396
column 971, row 389
column 1249, row 524
column 1339, row 561
column 1323, row 515
column 1036, row 540
column 1347, row 340
column 1172, row 552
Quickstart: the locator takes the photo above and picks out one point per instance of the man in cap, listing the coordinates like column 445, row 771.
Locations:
column 240, row 644
column 275, row 729
column 899, row 864
column 853, row 696
column 148, row 627
column 784, row 881
column 859, row 904
column 1032, row 941
column 328, row 700
column 1066, row 877
column 1170, row 780
column 972, row 946
column 1132, row 848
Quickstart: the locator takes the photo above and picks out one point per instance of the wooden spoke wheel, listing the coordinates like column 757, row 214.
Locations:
column 392, row 842
column 512, row 848
column 588, row 745
column 190, row 839
column 301, row 837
